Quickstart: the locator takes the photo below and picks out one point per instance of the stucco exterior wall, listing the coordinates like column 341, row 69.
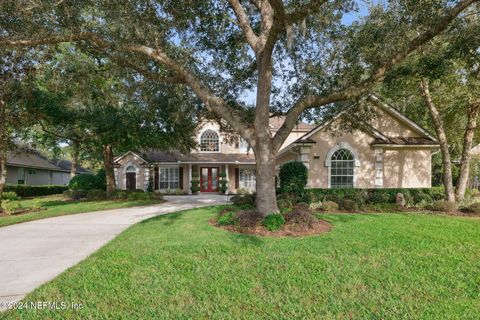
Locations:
column 358, row 141
column 125, row 162
column 390, row 126
column 407, row 168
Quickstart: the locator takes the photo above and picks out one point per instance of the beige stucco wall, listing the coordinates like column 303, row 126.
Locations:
column 407, row 168
column 402, row 167
column 120, row 177
column 359, row 141
column 389, row 126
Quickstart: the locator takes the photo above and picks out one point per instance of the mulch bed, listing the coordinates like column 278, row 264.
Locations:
column 318, row 227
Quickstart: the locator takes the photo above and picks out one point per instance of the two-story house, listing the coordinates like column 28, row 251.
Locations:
column 392, row 152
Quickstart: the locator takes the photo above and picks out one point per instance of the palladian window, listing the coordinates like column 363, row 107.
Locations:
column 209, row 141
column 342, row 169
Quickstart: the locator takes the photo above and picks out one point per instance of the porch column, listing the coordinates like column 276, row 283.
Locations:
column 226, row 177
column 189, row 178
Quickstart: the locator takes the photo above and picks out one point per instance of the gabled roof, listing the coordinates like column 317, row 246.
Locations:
column 30, row 158
column 426, row 138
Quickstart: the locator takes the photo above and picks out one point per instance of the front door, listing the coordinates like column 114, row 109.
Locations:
column 209, row 180
column 131, row 180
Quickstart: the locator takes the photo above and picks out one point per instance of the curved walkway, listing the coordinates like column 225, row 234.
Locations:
column 33, row 253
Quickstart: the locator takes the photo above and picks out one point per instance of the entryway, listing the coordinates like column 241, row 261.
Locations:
column 209, row 179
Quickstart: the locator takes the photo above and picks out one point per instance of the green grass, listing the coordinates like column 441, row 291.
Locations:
column 384, row 266
column 56, row 206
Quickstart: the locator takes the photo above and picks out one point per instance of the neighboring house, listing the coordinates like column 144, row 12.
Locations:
column 29, row 167
column 391, row 152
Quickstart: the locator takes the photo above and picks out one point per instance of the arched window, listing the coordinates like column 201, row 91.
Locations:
column 342, row 169
column 209, row 141
column 130, row 169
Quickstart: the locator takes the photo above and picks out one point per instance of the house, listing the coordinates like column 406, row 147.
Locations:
column 391, row 151
column 29, row 167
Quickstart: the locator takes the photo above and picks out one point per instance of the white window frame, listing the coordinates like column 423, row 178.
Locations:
column 243, row 145
column 218, row 141
column 165, row 176
column 328, row 161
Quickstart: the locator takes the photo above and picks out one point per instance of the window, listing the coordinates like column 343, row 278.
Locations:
column 243, row 145
column 21, row 176
column 209, row 141
column 131, row 169
column 32, row 171
column 247, row 179
column 168, row 178
column 342, row 169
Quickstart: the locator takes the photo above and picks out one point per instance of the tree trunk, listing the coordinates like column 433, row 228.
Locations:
column 3, row 148
column 74, row 155
column 266, row 200
column 473, row 110
column 442, row 139
column 108, row 165
column 3, row 173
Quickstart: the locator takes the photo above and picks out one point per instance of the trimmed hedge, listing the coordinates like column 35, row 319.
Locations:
column 378, row 196
column 293, row 177
column 33, row 191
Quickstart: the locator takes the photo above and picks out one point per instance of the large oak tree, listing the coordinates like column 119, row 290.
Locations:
column 293, row 55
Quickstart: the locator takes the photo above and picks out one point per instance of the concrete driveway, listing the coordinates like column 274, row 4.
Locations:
column 33, row 253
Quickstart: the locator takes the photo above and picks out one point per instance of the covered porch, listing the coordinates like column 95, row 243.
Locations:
column 170, row 177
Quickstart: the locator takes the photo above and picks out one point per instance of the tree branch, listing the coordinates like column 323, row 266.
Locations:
column 147, row 73
column 353, row 91
column 288, row 19
column 212, row 102
column 244, row 24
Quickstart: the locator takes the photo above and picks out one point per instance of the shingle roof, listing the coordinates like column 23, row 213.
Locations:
column 67, row 165
column 406, row 141
column 30, row 158
column 277, row 122
column 176, row 156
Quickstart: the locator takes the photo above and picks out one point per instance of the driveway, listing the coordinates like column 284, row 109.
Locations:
column 33, row 253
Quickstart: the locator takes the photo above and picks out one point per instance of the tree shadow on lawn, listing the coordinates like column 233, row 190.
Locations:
column 345, row 217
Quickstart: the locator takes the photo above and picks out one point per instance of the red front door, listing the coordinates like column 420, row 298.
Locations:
column 209, row 179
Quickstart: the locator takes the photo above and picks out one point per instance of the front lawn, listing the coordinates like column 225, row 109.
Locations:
column 57, row 206
column 370, row 266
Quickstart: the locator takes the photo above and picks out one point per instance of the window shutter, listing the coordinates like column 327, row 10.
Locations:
column 156, row 178
column 237, row 178
column 180, row 177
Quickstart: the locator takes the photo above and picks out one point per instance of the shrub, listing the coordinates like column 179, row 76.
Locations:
column 37, row 205
column 300, row 217
column 10, row 206
column 138, row 196
column 96, row 194
column 243, row 199
column 243, row 191
column 284, row 204
column 75, row 194
column 195, row 183
column 329, row 206
column 247, row 218
column 413, row 196
column 119, row 195
column 10, row 196
column 223, row 182
column 34, row 191
column 226, row 219
column 86, row 182
column 315, row 205
column 348, row 204
column 273, row 222
column 443, row 206
column 474, row 208
column 293, row 177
